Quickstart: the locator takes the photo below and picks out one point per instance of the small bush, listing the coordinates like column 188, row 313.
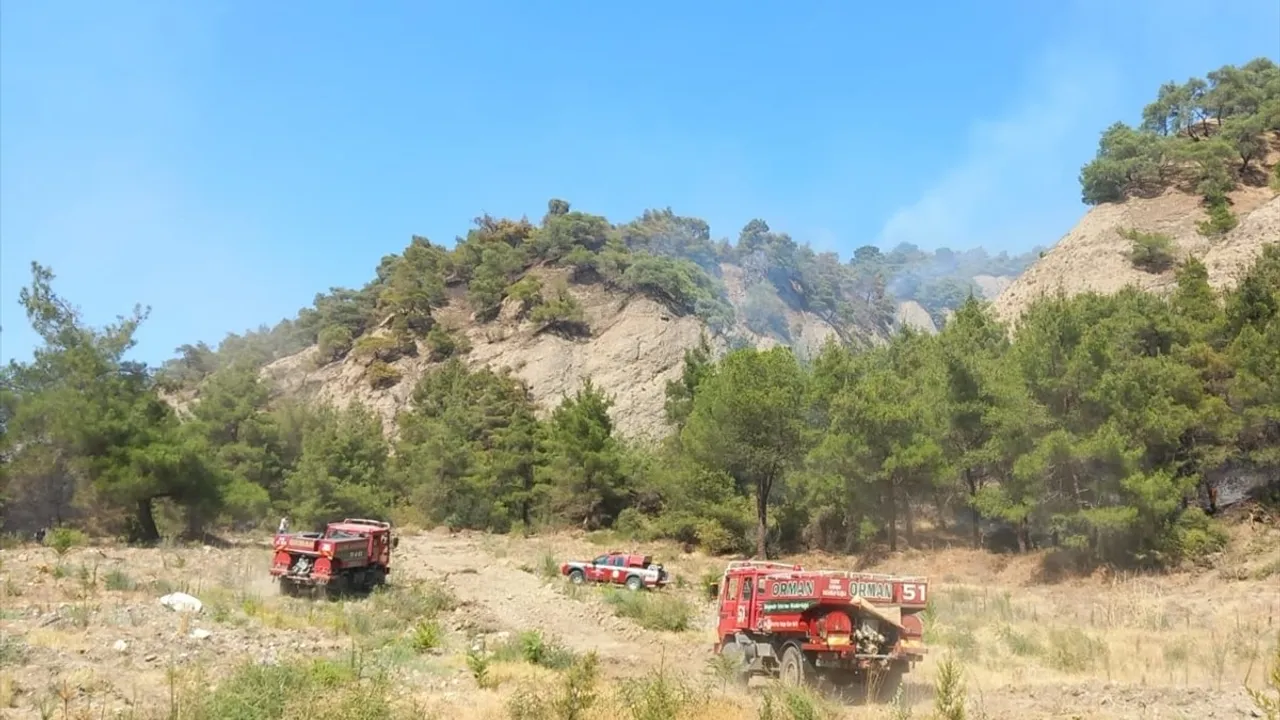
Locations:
column 528, row 292
column 443, row 344
column 561, row 312
column 652, row 611
column 13, row 651
column 659, row 696
column 1220, row 221
column 119, row 580
column 62, row 539
column 321, row 688
column 333, row 343
column 793, row 703
column 533, row 647
column 382, row 375
column 949, row 691
column 387, row 348
column 1152, row 252
column 427, row 635
column 1074, row 650
column 1275, row 177
column 478, row 664
column 570, row 699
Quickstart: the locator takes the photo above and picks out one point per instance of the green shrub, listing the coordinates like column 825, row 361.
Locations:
column 427, row 635
column 119, row 580
column 292, row 691
column 1220, row 221
column 443, row 344
column 660, row 696
column 560, row 311
column 948, row 690
column 533, row 647
column 652, row 610
column 528, row 292
column 1197, row 535
column 62, row 539
column 381, row 375
column 333, row 344
column 387, row 348
column 1074, row 650
column 570, row 699
column 1152, row 252
column 794, row 703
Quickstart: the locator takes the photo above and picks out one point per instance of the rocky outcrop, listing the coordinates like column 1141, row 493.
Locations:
column 1094, row 256
column 912, row 314
column 634, row 347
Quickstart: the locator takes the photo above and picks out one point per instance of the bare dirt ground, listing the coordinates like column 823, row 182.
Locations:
column 84, row 635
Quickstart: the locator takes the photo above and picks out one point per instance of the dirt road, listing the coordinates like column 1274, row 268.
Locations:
column 500, row 583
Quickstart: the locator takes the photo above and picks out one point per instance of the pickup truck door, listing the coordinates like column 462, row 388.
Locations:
column 617, row 569
column 596, row 570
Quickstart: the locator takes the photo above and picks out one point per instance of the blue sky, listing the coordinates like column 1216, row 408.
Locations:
column 223, row 162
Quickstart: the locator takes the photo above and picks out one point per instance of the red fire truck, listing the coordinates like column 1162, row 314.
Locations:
column 353, row 554
column 846, row 628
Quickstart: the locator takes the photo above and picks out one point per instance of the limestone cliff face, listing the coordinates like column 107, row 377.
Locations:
column 1093, row 256
column 635, row 346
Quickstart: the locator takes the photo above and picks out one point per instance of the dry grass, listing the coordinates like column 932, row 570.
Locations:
column 1130, row 645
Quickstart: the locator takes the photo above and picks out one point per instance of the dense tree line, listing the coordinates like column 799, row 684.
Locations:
column 1095, row 429
column 1206, row 135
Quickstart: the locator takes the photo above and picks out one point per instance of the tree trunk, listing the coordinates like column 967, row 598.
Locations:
column 147, row 522
column 977, row 516
column 909, row 521
column 893, row 517
column 762, row 526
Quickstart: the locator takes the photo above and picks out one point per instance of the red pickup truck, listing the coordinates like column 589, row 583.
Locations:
column 618, row 568
column 349, row 555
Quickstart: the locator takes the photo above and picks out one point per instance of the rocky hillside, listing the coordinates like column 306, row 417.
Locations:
column 576, row 297
column 1096, row 255
column 631, row 346
column 1200, row 178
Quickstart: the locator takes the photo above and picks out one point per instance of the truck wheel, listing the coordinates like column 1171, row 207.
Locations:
column 884, row 683
column 577, row 578
column 634, row 583
column 796, row 669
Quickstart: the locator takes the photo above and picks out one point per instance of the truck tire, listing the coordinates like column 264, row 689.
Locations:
column 634, row 583
column 576, row 577
column 795, row 668
column 885, row 683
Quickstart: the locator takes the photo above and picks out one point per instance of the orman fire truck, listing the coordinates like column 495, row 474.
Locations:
column 845, row 628
column 349, row 555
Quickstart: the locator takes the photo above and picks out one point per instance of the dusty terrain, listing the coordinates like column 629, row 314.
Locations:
column 84, row 635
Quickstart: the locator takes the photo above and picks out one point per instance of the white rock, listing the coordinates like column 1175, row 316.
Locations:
column 182, row 602
column 200, row 633
column 120, row 646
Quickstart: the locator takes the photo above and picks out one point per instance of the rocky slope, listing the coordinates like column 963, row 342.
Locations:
column 1094, row 256
column 634, row 347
